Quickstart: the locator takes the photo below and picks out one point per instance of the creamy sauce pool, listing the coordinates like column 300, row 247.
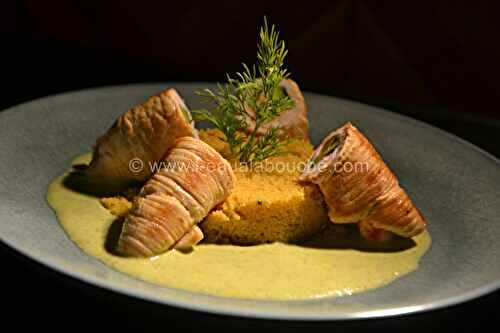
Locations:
column 275, row 271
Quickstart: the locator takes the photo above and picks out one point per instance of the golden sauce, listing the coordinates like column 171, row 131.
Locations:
column 340, row 265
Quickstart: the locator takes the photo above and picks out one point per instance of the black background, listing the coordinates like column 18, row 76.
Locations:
column 435, row 61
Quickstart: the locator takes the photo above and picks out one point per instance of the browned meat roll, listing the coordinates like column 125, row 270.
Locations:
column 293, row 122
column 142, row 135
column 359, row 187
column 193, row 179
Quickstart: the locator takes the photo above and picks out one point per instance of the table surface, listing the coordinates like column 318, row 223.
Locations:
column 38, row 296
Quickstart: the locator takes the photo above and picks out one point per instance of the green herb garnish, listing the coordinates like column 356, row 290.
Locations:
column 327, row 149
column 256, row 88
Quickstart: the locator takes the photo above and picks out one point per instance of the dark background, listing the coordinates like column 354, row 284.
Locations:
column 437, row 61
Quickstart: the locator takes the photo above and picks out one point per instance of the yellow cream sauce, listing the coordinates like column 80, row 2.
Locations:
column 336, row 263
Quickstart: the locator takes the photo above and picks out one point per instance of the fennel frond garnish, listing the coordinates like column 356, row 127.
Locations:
column 257, row 88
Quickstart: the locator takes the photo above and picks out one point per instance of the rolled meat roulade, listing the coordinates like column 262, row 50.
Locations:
column 359, row 187
column 293, row 122
column 194, row 178
column 141, row 135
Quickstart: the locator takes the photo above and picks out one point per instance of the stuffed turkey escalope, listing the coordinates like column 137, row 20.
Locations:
column 145, row 132
column 359, row 187
column 292, row 122
column 195, row 178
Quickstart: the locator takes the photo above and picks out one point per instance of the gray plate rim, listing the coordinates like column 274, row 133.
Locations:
column 52, row 262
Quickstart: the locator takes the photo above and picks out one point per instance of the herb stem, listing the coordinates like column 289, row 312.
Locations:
column 253, row 88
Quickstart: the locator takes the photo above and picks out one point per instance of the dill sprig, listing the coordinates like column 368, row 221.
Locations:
column 257, row 88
